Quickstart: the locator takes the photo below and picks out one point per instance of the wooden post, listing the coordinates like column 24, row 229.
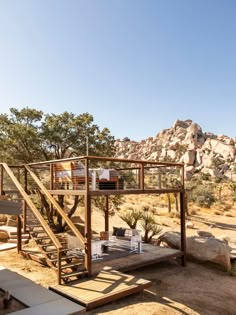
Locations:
column 58, row 266
column 51, row 183
column 19, row 238
column 142, row 176
column 183, row 231
column 24, row 202
column 107, row 215
column 88, row 230
column 1, row 180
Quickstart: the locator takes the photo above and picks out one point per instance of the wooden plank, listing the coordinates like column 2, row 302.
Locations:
column 10, row 207
column 107, row 286
column 151, row 255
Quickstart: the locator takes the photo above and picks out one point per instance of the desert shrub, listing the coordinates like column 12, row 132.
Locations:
column 202, row 195
column 150, row 226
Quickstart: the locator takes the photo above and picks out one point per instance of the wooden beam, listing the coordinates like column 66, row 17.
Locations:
column 67, row 192
column 107, row 214
column 19, row 236
column 1, row 180
column 183, row 231
column 88, row 229
column 24, row 202
column 51, row 184
column 134, row 191
column 106, row 159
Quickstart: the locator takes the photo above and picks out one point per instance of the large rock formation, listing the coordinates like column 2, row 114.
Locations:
column 204, row 249
column 185, row 142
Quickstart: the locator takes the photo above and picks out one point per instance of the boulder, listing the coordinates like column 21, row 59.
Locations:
column 3, row 236
column 203, row 249
column 189, row 157
column 204, row 234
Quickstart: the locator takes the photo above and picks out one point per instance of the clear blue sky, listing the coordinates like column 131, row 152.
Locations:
column 136, row 66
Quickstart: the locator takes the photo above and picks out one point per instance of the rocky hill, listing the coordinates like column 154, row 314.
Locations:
column 201, row 152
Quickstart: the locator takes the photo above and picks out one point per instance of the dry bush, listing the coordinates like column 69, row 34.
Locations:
column 174, row 215
column 217, row 212
column 192, row 211
column 229, row 214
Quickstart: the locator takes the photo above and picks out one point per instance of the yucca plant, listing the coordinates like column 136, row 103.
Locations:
column 150, row 226
column 131, row 217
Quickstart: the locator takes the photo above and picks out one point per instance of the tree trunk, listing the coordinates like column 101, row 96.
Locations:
column 169, row 202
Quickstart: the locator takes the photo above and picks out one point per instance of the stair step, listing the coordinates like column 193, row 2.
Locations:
column 73, row 274
column 42, row 238
column 52, row 260
column 46, row 245
column 71, row 265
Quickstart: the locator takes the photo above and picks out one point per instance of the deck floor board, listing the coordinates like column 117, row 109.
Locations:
column 105, row 287
column 108, row 282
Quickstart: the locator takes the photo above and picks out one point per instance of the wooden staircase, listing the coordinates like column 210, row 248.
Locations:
column 52, row 247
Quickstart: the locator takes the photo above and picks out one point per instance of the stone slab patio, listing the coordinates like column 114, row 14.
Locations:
column 38, row 299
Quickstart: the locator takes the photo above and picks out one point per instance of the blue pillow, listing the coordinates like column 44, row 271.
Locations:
column 120, row 232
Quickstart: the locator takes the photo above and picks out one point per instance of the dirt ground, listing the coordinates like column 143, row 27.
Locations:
column 194, row 289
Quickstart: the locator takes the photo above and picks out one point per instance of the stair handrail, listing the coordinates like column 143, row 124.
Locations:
column 32, row 206
column 56, row 205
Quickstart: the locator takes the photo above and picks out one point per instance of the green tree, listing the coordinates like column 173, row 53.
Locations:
column 19, row 136
column 114, row 203
column 29, row 135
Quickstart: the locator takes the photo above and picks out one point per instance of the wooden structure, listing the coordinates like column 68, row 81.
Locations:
column 107, row 286
column 137, row 177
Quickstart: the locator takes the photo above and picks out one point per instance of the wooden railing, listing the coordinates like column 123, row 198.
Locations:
column 32, row 206
column 56, row 206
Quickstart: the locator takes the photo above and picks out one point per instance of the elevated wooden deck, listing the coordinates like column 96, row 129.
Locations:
column 107, row 286
column 150, row 255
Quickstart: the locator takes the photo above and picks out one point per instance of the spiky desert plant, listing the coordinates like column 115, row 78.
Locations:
column 150, row 226
column 131, row 217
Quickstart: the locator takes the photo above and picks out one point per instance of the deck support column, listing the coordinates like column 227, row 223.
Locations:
column 58, row 266
column 107, row 215
column 24, row 202
column 183, row 231
column 19, row 236
column 88, row 229
column 51, row 185
column 1, row 180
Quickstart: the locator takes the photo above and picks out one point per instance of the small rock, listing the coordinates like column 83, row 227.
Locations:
column 190, row 225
